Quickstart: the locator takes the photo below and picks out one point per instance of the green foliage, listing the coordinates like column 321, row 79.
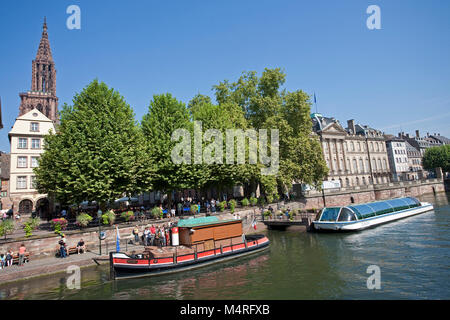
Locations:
column 267, row 106
column 437, row 157
column 127, row 215
column 156, row 213
column 222, row 205
column 245, row 202
column 232, row 205
column 109, row 217
column 165, row 115
column 30, row 225
column 83, row 220
column 253, row 201
column 194, row 209
column 269, row 199
column 98, row 152
column 59, row 224
column 261, row 201
column 267, row 213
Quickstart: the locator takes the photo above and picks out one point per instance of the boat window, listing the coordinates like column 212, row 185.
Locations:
column 346, row 215
column 381, row 207
column 330, row 214
column 364, row 210
column 398, row 204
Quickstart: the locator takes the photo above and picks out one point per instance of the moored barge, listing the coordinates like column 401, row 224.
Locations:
column 196, row 242
column 362, row 216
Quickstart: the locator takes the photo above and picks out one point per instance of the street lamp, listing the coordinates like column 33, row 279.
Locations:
column 99, row 216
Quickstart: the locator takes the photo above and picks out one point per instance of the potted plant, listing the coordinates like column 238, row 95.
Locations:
column 253, row 201
column 194, row 209
column 222, row 205
column 30, row 225
column 127, row 215
column 83, row 220
column 232, row 205
column 7, row 227
column 245, row 202
column 59, row 224
column 109, row 217
column 156, row 213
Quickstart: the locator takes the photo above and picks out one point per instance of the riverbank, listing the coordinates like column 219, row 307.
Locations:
column 52, row 265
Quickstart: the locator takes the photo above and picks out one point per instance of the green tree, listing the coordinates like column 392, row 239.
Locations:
column 267, row 106
column 437, row 157
column 165, row 115
column 98, row 153
column 7, row 227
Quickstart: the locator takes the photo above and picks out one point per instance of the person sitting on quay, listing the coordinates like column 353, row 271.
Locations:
column 81, row 246
column 2, row 261
column 9, row 258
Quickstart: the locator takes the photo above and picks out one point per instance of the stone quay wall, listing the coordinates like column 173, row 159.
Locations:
column 362, row 194
column 45, row 246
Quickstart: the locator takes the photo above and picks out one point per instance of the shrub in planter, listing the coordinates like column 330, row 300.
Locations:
column 7, row 227
column 156, row 213
column 109, row 217
column 128, row 215
column 253, row 201
column 83, row 220
column 222, row 205
column 232, row 204
column 194, row 209
column 59, row 224
column 245, row 202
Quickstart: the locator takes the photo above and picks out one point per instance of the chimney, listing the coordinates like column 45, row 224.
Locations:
column 417, row 134
column 351, row 126
column 407, row 135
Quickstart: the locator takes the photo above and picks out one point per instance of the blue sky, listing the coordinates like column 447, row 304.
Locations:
column 396, row 78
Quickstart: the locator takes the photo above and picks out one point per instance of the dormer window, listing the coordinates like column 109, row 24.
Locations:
column 34, row 127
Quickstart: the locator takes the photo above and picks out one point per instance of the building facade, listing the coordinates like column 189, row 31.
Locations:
column 26, row 138
column 38, row 115
column 356, row 155
column 6, row 203
column 398, row 157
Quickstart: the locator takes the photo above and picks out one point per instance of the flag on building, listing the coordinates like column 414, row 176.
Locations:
column 117, row 239
column 315, row 100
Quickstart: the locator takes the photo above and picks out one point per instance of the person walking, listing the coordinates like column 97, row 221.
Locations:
column 22, row 251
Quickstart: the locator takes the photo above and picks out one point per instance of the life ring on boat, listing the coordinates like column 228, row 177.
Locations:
column 155, row 260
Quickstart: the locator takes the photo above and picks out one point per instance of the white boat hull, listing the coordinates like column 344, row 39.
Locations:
column 373, row 221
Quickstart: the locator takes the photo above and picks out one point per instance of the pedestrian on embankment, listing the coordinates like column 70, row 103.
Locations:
column 22, row 251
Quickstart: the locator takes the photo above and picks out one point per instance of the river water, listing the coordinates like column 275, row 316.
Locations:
column 413, row 256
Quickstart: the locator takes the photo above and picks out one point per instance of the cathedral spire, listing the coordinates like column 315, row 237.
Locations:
column 42, row 95
column 44, row 51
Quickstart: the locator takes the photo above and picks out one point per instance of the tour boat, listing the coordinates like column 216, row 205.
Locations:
column 361, row 216
column 196, row 242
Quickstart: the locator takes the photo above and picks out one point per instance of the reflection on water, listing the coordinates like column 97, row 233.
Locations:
column 413, row 255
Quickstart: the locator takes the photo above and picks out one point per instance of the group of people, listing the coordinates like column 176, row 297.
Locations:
column 6, row 259
column 63, row 250
column 154, row 236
